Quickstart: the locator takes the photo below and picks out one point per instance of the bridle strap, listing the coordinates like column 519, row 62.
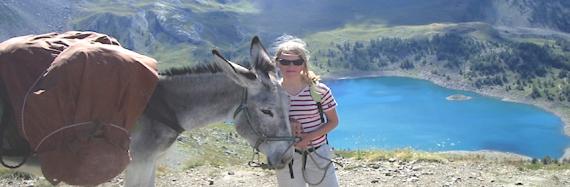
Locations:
column 242, row 105
column 262, row 138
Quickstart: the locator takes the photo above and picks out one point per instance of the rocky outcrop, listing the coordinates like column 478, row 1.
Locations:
column 174, row 24
column 164, row 24
column 130, row 30
column 528, row 13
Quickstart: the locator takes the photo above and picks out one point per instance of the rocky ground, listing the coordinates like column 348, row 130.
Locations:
column 392, row 172
column 384, row 173
column 217, row 157
column 476, row 171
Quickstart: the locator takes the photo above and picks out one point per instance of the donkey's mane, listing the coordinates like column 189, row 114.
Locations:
column 197, row 69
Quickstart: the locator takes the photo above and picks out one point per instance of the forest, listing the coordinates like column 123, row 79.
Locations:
column 540, row 69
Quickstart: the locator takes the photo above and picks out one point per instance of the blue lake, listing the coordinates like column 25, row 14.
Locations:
column 396, row 112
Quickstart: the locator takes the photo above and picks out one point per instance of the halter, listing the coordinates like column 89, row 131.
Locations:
column 262, row 138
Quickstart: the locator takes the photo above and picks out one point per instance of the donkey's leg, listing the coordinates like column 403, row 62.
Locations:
column 149, row 141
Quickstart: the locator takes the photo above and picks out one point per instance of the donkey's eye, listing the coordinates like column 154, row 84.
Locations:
column 267, row 112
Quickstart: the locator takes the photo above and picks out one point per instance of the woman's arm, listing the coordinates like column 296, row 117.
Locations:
column 332, row 122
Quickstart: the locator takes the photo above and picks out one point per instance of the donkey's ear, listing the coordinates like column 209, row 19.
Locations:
column 237, row 73
column 262, row 63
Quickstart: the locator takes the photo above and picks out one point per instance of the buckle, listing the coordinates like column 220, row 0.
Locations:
column 310, row 150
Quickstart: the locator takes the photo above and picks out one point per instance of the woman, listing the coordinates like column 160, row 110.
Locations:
column 312, row 163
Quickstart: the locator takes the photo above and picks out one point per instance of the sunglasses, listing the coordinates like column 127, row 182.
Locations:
column 294, row 62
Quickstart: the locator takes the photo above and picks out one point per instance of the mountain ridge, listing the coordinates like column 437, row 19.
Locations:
column 472, row 37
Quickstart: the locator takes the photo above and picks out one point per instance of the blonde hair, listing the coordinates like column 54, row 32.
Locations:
column 293, row 45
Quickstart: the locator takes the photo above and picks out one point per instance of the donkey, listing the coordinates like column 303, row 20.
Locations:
column 193, row 98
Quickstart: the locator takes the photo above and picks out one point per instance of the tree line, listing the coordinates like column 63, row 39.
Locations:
column 543, row 70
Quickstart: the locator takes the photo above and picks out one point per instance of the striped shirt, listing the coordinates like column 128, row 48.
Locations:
column 304, row 109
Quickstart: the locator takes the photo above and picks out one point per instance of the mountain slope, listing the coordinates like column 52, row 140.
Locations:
column 460, row 39
column 31, row 16
column 528, row 13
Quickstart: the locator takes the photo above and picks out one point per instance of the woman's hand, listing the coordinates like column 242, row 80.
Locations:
column 304, row 143
column 298, row 132
column 296, row 127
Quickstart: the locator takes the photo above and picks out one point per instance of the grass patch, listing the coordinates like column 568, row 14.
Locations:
column 540, row 166
column 217, row 145
column 400, row 154
column 365, row 32
column 535, row 40
column 13, row 175
column 236, row 7
column 8, row 173
column 120, row 7
column 463, row 157
column 174, row 56
column 109, row 6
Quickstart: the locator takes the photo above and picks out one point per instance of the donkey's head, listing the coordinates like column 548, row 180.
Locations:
column 262, row 117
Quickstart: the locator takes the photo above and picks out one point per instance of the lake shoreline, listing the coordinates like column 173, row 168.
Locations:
column 556, row 109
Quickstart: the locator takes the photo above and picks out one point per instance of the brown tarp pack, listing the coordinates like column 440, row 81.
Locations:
column 75, row 97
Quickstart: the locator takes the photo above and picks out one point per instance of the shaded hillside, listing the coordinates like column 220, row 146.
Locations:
column 22, row 17
column 303, row 17
column 175, row 32
column 529, row 13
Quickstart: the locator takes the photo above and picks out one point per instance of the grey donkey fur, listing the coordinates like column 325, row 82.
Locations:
column 197, row 99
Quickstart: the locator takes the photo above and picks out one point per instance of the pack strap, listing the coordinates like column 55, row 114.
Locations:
column 291, row 169
column 97, row 126
column 314, row 92
column 317, row 97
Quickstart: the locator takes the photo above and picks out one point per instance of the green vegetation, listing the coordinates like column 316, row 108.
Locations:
column 538, row 69
column 539, row 166
column 407, row 155
column 121, row 8
column 129, row 7
column 6, row 173
column 237, row 7
column 546, row 163
column 216, row 145
column 176, row 56
column 400, row 154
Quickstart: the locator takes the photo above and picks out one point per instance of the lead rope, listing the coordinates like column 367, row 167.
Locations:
column 317, row 98
column 325, row 168
column 255, row 162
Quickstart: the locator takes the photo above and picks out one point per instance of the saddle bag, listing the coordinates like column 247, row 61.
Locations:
column 76, row 96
